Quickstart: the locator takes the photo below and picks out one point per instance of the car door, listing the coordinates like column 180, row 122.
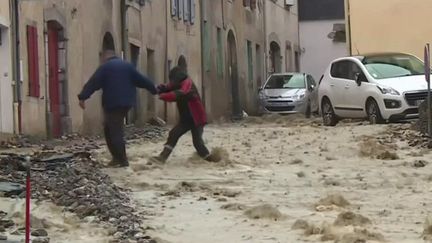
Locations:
column 357, row 93
column 339, row 81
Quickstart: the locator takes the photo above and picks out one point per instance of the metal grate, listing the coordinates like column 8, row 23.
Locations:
column 280, row 108
column 413, row 98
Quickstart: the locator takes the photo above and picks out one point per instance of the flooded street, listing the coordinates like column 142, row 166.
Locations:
column 285, row 181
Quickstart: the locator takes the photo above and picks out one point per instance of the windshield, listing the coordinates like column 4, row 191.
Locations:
column 292, row 81
column 392, row 66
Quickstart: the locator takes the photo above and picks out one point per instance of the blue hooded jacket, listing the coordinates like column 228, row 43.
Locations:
column 118, row 80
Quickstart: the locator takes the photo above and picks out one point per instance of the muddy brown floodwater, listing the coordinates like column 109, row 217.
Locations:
column 289, row 181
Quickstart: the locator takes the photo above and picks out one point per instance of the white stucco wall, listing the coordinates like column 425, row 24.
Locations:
column 317, row 49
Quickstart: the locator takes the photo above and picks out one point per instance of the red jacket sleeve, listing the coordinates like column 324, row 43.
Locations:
column 172, row 96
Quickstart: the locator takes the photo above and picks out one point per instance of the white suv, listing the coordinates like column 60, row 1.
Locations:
column 380, row 87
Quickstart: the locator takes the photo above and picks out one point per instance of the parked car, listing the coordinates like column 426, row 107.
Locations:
column 287, row 93
column 380, row 87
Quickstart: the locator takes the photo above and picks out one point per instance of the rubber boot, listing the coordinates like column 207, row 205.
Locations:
column 212, row 158
column 163, row 156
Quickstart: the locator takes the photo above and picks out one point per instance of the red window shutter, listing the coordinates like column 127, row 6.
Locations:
column 33, row 61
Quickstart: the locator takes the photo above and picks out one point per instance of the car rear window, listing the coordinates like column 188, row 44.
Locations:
column 294, row 81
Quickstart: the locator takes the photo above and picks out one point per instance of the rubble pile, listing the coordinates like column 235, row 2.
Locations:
column 76, row 182
column 148, row 132
column 406, row 133
column 16, row 142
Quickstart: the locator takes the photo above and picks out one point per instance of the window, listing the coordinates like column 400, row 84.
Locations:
column 252, row 4
column 310, row 82
column 183, row 9
column 338, row 34
column 345, row 70
column 340, row 69
column 186, row 10
column 33, row 61
column 295, row 81
column 219, row 58
column 297, row 61
column 250, row 60
column 391, row 66
column 258, row 66
column 206, row 46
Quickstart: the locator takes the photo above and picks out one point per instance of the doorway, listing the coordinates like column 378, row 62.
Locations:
column 275, row 57
column 134, row 59
column 233, row 76
column 151, row 73
column 6, row 93
column 57, row 86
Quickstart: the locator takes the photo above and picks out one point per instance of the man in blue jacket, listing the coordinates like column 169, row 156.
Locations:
column 118, row 80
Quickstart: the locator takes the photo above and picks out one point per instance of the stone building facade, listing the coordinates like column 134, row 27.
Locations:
column 224, row 45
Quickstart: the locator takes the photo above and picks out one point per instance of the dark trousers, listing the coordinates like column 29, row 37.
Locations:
column 114, row 133
column 197, row 133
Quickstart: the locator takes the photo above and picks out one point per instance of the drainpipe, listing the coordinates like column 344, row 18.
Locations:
column 265, row 40
column 202, row 3
column 223, row 14
column 348, row 25
column 16, row 65
column 123, row 12
column 167, row 14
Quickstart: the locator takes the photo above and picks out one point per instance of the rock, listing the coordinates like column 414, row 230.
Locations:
column 11, row 189
column 39, row 232
column 233, row 206
column 157, row 121
column 301, row 174
column 333, row 199
column 3, row 237
column 6, row 223
column 265, row 211
column 296, row 162
column 41, row 240
column 350, row 218
column 300, row 224
column 420, row 163
column 139, row 235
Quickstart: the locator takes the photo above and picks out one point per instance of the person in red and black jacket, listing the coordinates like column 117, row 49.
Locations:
column 183, row 91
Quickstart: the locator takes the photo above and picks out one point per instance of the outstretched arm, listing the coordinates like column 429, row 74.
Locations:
column 177, row 94
column 142, row 81
column 92, row 85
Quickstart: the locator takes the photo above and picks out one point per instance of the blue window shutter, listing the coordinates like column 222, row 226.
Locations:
column 180, row 9
column 174, row 7
column 186, row 10
column 192, row 11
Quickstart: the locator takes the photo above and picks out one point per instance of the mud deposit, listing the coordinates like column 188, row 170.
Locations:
column 286, row 179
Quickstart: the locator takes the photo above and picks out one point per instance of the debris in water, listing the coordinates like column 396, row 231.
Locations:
column 265, row 211
column 234, row 206
column 334, row 199
column 350, row 218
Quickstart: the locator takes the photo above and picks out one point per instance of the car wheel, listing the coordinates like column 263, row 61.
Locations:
column 374, row 113
column 328, row 114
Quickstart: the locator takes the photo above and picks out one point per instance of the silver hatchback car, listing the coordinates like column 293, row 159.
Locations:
column 287, row 93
